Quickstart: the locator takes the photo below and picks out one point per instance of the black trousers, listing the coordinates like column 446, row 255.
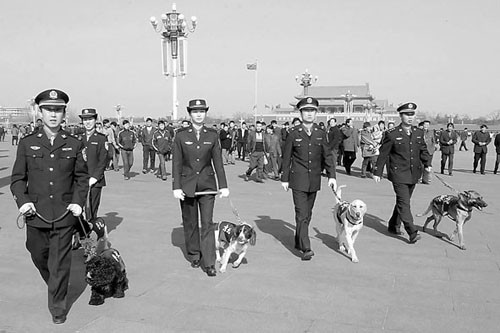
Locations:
column 242, row 150
column 95, row 201
column 304, row 203
column 51, row 253
column 200, row 244
column 349, row 158
column 148, row 154
column 462, row 144
column 402, row 211
column 480, row 157
column 448, row 157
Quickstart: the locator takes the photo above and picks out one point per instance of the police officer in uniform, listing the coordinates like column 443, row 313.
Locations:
column 96, row 155
column 405, row 150
column 50, row 177
column 305, row 154
column 196, row 150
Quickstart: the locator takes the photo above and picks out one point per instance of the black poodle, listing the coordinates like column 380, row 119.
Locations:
column 106, row 275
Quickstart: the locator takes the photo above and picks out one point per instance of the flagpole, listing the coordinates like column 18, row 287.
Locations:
column 255, row 105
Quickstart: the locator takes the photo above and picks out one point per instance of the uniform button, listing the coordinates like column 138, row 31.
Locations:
column 197, row 147
column 197, row 172
column 51, row 183
column 197, row 159
column 309, row 144
column 309, row 152
column 51, row 169
column 52, row 155
column 309, row 170
column 51, row 196
column 309, row 161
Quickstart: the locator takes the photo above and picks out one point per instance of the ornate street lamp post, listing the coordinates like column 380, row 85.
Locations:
column 32, row 104
column 174, row 31
column 306, row 80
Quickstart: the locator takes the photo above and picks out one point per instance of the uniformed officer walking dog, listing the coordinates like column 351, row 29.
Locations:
column 405, row 150
column 305, row 154
column 232, row 238
column 456, row 208
column 197, row 153
column 50, row 178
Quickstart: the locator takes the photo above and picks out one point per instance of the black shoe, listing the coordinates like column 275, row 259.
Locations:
column 414, row 238
column 258, row 180
column 394, row 231
column 246, row 177
column 195, row 263
column 59, row 319
column 473, row 171
column 451, row 173
column 211, row 271
column 308, row 254
column 144, row 171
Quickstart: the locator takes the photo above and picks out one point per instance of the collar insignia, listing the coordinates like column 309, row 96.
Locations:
column 399, row 138
column 67, row 149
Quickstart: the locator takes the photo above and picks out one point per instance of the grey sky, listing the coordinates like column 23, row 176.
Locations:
column 441, row 54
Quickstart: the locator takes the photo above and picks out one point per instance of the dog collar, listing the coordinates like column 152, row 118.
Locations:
column 348, row 216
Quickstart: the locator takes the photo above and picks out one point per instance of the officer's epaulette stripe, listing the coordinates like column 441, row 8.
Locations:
column 182, row 129
column 211, row 129
column 99, row 133
column 391, row 129
column 27, row 136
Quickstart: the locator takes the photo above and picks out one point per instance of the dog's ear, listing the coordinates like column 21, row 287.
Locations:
column 365, row 208
column 253, row 239
column 236, row 231
column 464, row 196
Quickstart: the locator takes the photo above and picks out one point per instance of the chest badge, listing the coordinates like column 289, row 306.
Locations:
column 67, row 149
column 188, row 142
column 298, row 140
column 35, row 147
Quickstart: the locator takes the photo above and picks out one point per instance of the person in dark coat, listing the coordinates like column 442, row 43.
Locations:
column 497, row 150
column 148, row 153
column 162, row 143
column 96, row 157
column 481, row 139
column 335, row 137
column 50, row 179
column 241, row 141
column 405, row 151
column 305, row 154
column 447, row 141
column 127, row 140
column 350, row 143
column 197, row 153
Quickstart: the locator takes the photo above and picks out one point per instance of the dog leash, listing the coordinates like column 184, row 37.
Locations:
column 233, row 207
column 23, row 223
column 445, row 183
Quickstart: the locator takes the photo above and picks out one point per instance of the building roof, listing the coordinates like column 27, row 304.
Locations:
column 329, row 92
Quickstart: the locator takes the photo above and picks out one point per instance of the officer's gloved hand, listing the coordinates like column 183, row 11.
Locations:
column 27, row 209
column 376, row 179
column 76, row 209
column 179, row 194
column 284, row 185
column 332, row 182
column 428, row 169
column 224, row 192
column 92, row 181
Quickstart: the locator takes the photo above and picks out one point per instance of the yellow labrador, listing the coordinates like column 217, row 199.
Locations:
column 348, row 217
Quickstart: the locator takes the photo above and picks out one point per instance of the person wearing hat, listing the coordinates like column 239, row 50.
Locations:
column 305, row 154
column 49, row 180
column 96, row 157
column 481, row 139
column 447, row 141
column 405, row 152
column 196, row 154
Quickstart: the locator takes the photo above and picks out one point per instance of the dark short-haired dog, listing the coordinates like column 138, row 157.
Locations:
column 457, row 208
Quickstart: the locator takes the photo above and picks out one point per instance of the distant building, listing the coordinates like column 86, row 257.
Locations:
column 340, row 102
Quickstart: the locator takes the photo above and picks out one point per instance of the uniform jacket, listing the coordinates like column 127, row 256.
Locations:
column 304, row 157
column 127, row 139
column 444, row 138
column 272, row 144
column 351, row 138
column 252, row 140
column 50, row 176
column 406, row 156
column 162, row 141
column 194, row 161
column 481, row 137
column 96, row 156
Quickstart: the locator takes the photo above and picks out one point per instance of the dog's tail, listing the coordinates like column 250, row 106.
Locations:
column 338, row 193
column 429, row 208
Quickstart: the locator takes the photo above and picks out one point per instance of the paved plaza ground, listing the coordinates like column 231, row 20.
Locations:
column 431, row 286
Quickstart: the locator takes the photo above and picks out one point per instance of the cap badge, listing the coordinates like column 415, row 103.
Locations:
column 309, row 100
column 198, row 102
column 410, row 106
column 85, row 111
column 53, row 94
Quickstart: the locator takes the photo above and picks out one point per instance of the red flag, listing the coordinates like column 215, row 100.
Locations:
column 252, row 67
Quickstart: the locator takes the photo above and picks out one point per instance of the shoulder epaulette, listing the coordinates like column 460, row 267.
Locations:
column 181, row 129
column 391, row 129
column 99, row 133
column 211, row 129
column 31, row 134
